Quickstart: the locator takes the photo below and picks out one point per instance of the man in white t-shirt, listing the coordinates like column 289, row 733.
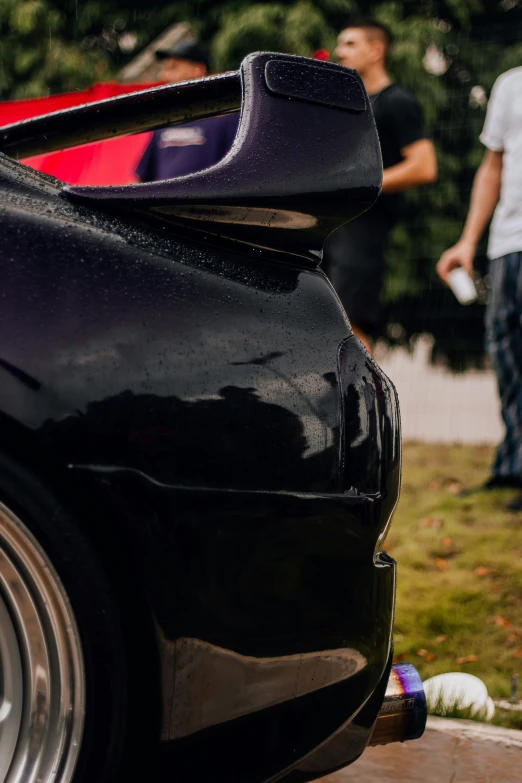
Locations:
column 498, row 188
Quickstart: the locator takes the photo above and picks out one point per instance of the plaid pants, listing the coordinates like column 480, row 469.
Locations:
column 504, row 343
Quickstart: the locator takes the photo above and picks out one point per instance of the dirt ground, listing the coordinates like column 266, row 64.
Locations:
column 459, row 574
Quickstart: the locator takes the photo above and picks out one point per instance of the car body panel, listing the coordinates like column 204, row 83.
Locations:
column 245, row 449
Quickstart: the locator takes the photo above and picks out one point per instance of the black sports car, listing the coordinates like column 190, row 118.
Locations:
column 198, row 460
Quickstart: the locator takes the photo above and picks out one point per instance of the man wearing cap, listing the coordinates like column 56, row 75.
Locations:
column 184, row 149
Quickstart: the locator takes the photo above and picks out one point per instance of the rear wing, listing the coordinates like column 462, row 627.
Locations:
column 306, row 157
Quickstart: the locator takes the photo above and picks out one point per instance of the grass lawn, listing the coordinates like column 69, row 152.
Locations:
column 459, row 575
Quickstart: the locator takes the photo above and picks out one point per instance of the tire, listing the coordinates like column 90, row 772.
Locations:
column 63, row 715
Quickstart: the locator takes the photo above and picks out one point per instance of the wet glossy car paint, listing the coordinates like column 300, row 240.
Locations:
column 245, row 452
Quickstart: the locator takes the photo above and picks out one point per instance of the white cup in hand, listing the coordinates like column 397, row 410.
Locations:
column 462, row 286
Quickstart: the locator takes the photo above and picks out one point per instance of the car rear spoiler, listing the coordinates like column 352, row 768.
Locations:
column 306, row 157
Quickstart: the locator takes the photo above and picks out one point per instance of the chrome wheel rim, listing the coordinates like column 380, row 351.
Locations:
column 42, row 677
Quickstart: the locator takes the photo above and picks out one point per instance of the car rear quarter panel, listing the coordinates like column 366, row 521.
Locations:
column 213, row 398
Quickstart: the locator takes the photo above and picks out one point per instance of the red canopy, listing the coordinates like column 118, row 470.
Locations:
column 110, row 162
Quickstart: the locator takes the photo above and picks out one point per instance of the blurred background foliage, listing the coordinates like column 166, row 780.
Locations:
column 448, row 52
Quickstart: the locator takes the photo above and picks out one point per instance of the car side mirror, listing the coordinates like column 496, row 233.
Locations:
column 306, row 157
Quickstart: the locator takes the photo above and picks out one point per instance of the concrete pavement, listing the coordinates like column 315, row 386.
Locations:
column 451, row 751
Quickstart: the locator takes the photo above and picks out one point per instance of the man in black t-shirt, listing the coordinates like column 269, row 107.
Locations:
column 354, row 254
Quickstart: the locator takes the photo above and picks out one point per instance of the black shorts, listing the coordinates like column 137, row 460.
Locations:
column 353, row 259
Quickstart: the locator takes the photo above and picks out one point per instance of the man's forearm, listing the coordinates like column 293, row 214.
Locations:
column 484, row 197
column 403, row 176
column 419, row 167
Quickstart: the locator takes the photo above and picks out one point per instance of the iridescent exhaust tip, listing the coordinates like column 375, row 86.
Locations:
column 403, row 713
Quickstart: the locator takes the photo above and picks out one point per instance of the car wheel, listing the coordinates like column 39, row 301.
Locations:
column 63, row 675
